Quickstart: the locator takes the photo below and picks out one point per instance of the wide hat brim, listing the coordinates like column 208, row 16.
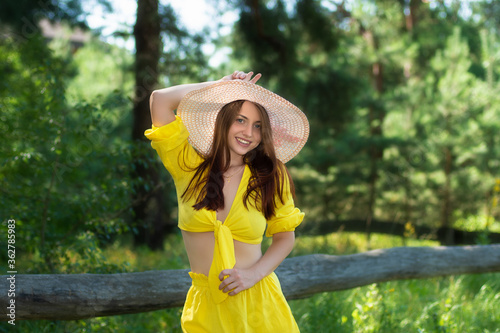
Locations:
column 199, row 108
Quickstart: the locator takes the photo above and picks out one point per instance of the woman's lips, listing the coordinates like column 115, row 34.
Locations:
column 243, row 142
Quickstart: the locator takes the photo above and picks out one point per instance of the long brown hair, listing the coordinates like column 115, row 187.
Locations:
column 267, row 171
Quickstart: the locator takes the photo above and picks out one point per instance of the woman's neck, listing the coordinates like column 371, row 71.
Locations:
column 236, row 161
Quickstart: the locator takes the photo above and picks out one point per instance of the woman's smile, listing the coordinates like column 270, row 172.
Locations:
column 243, row 142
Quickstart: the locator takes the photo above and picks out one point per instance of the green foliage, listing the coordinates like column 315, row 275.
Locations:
column 182, row 59
column 400, row 96
column 454, row 304
column 23, row 14
column 64, row 171
column 104, row 75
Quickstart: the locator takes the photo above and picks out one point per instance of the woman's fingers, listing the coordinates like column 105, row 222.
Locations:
column 230, row 287
column 256, row 78
column 228, row 283
column 248, row 77
column 237, row 75
column 236, row 280
column 232, row 280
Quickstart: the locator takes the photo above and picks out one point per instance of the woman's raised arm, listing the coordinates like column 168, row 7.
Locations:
column 163, row 102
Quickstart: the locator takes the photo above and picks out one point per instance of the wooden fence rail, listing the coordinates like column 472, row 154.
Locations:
column 79, row 296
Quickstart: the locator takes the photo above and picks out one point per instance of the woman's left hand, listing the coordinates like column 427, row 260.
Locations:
column 237, row 280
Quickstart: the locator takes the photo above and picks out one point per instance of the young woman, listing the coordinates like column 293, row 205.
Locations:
column 226, row 150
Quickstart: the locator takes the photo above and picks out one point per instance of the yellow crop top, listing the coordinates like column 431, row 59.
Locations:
column 242, row 224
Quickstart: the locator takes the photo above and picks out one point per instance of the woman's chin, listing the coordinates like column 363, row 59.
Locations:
column 240, row 151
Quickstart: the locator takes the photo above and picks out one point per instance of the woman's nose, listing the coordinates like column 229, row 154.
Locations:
column 248, row 131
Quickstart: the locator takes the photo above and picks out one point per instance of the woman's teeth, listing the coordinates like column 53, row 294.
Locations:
column 245, row 142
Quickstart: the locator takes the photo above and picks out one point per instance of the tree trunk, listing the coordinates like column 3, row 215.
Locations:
column 446, row 209
column 375, row 118
column 410, row 14
column 150, row 217
column 80, row 296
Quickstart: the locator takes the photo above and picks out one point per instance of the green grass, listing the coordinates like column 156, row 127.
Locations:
column 451, row 304
column 468, row 303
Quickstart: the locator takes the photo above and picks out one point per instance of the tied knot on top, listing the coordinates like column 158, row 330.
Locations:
column 223, row 258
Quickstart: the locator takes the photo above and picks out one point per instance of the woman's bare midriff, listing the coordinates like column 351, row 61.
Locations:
column 200, row 249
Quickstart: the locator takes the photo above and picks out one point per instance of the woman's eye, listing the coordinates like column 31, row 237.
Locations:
column 257, row 126
column 241, row 121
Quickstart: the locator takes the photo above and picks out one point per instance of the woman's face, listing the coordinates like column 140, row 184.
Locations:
column 245, row 133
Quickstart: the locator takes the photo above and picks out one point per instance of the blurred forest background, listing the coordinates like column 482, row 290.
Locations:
column 403, row 99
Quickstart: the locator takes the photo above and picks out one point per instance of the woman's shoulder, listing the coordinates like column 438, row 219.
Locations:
column 172, row 130
column 172, row 145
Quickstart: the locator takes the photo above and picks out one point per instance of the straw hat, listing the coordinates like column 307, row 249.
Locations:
column 199, row 108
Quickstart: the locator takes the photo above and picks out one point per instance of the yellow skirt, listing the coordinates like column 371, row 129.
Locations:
column 262, row 308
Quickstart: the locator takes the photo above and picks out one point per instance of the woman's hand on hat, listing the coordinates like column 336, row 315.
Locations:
column 242, row 76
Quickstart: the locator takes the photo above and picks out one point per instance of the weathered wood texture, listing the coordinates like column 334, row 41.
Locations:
column 78, row 296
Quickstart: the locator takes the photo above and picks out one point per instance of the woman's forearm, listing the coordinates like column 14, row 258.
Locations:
column 163, row 102
column 235, row 280
column 279, row 249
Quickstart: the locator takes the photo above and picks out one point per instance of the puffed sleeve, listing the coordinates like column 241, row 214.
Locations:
column 169, row 136
column 287, row 217
column 171, row 143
